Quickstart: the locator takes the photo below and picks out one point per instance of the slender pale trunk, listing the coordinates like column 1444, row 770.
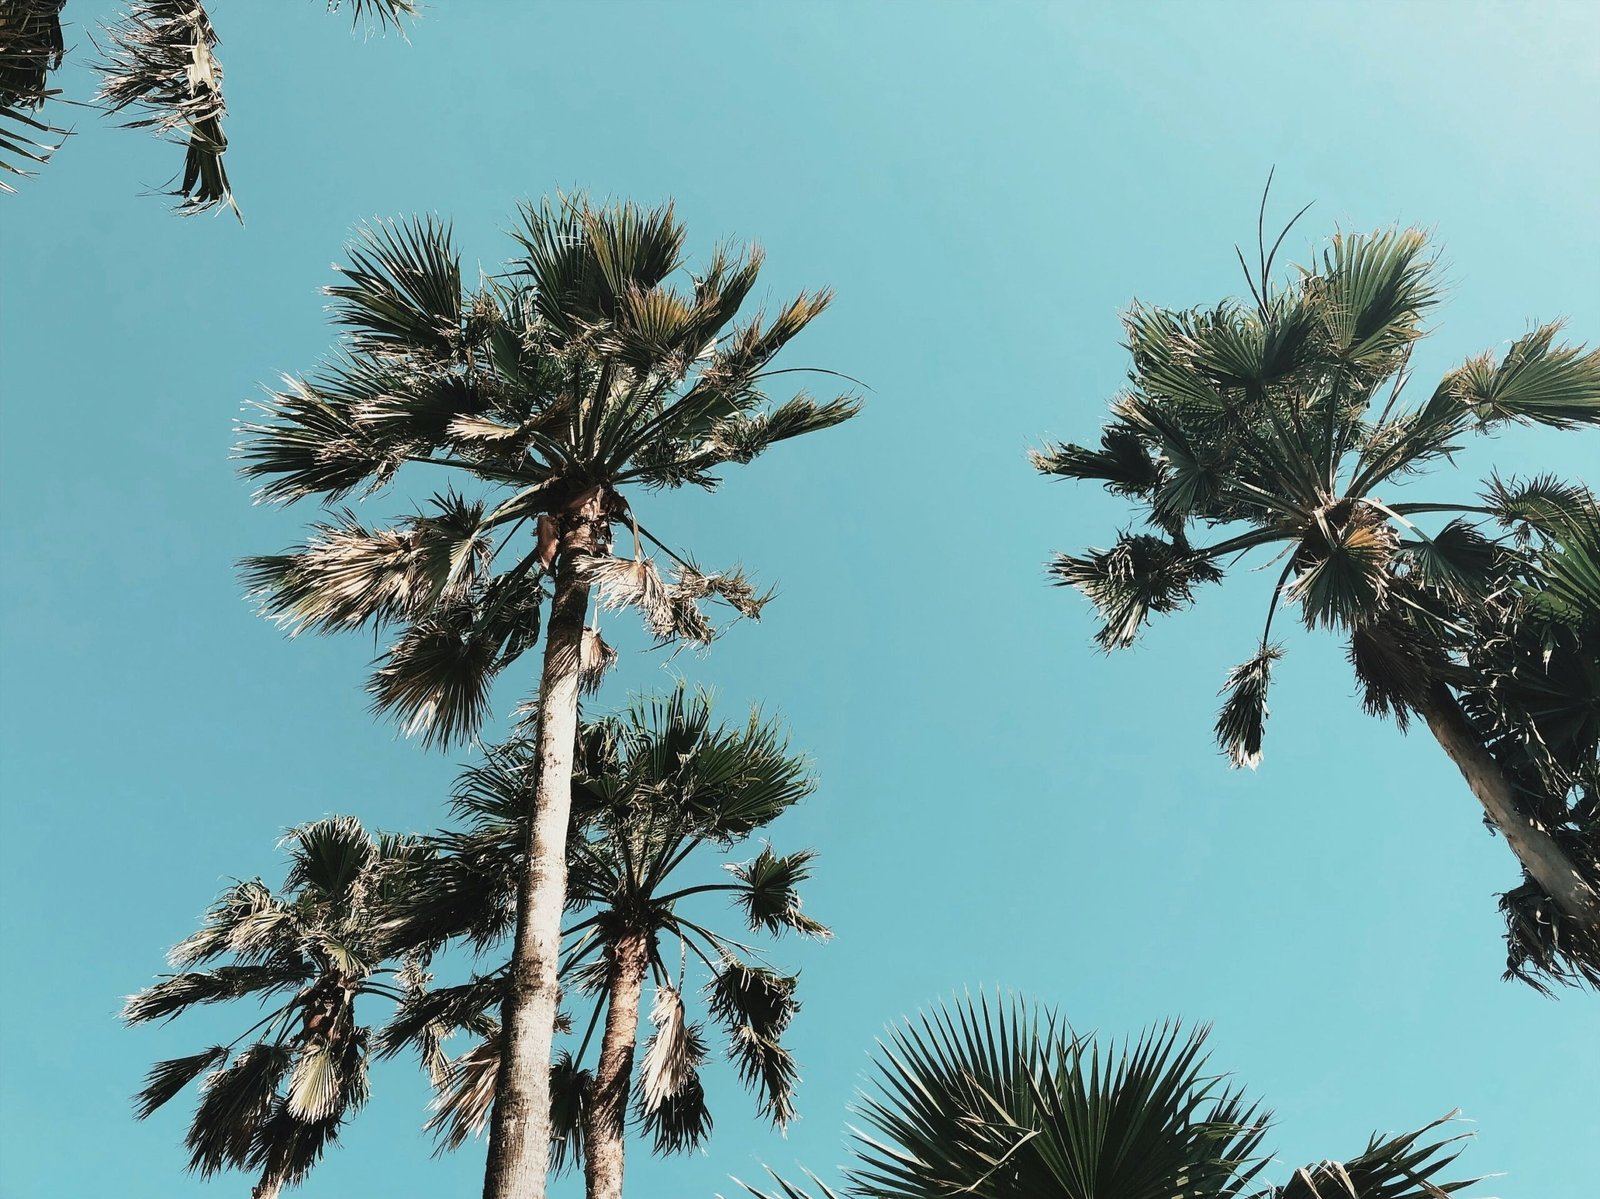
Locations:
column 270, row 1187
column 1540, row 854
column 606, row 1113
column 519, row 1135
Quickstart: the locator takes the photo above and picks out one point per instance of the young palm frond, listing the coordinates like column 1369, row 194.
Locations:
column 30, row 49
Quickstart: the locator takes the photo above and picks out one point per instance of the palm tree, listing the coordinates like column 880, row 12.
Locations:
column 31, row 47
column 1008, row 1103
column 660, row 790
column 578, row 377
column 308, row 953
column 1280, row 424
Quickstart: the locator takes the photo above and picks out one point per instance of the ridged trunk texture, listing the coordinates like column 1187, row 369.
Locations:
column 519, row 1134
column 606, row 1113
column 1540, row 854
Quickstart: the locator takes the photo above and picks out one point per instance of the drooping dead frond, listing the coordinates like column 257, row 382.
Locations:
column 635, row 583
column 594, row 660
column 161, row 64
column 668, row 1060
column 462, row 1106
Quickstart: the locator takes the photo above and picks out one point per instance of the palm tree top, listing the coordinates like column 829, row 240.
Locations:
column 1277, row 422
column 554, row 393
column 1000, row 1099
column 658, row 789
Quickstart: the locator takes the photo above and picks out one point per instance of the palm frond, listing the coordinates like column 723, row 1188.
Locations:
column 768, row 892
column 167, row 1078
column 1141, row 574
column 1395, row 1167
column 755, row 1006
column 402, row 289
column 671, row 1099
column 31, row 50
column 1536, row 382
column 435, row 679
column 161, row 64
column 177, row 992
column 1122, row 463
column 1242, row 723
column 234, row 1102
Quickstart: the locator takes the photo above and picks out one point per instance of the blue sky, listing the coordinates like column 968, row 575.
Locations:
column 985, row 187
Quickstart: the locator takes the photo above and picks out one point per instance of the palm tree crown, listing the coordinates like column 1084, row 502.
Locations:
column 1281, row 424
column 307, row 953
column 1006, row 1102
column 658, row 789
column 580, row 375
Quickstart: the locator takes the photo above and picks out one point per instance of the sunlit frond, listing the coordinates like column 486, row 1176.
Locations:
column 161, row 64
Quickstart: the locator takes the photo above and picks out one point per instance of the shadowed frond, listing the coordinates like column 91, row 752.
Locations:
column 30, row 50
column 1139, row 575
column 167, row 1078
column 755, row 1005
column 1242, row 723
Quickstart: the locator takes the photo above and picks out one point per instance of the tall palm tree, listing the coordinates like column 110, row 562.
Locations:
column 1278, row 426
column 556, row 390
column 1008, row 1103
column 660, row 791
column 308, row 953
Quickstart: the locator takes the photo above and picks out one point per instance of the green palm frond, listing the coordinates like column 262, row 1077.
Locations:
column 1007, row 1103
column 768, row 892
column 1396, row 1167
column 161, row 64
column 1371, row 296
column 402, row 289
column 1535, row 382
column 178, row 992
column 385, row 14
column 788, row 1190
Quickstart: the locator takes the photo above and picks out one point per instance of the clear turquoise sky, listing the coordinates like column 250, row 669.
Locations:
column 986, row 186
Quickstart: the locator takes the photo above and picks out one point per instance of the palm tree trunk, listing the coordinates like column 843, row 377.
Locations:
column 519, row 1136
column 606, row 1113
column 1540, row 854
column 270, row 1187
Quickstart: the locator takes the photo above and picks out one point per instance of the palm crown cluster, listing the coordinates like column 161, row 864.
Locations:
column 1004, row 1101
column 1280, row 426
column 661, row 791
column 554, row 390
column 160, row 66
